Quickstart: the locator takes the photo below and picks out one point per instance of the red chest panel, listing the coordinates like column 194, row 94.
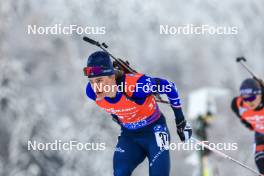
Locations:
column 255, row 118
column 127, row 110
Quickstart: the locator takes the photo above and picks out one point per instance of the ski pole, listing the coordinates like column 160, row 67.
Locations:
column 242, row 61
column 225, row 156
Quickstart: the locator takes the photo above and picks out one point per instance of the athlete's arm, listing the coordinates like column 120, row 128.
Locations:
column 235, row 109
column 147, row 85
column 89, row 92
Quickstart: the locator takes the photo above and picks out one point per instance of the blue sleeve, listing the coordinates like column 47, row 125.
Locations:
column 89, row 92
column 147, row 85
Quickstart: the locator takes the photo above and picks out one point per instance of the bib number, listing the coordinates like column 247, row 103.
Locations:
column 162, row 137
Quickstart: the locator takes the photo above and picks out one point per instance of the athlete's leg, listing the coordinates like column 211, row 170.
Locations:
column 128, row 155
column 158, row 152
column 259, row 155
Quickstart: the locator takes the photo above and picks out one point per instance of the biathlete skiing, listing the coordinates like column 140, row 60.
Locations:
column 144, row 132
column 249, row 107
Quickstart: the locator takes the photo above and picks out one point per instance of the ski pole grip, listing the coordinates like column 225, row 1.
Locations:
column 91, row 41
column 241, row 59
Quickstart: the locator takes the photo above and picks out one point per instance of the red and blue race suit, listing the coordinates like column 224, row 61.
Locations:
column 144, row 132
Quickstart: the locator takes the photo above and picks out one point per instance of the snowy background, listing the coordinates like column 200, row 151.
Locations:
column 42, row 87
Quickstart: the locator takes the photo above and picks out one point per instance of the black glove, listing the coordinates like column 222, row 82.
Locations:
column 184, row 131
column 248, row 125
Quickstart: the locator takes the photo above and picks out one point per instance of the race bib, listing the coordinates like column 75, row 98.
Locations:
column 162, row 137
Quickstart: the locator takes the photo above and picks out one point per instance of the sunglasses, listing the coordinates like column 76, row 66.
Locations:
column 249, row 99
column 88, row 71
